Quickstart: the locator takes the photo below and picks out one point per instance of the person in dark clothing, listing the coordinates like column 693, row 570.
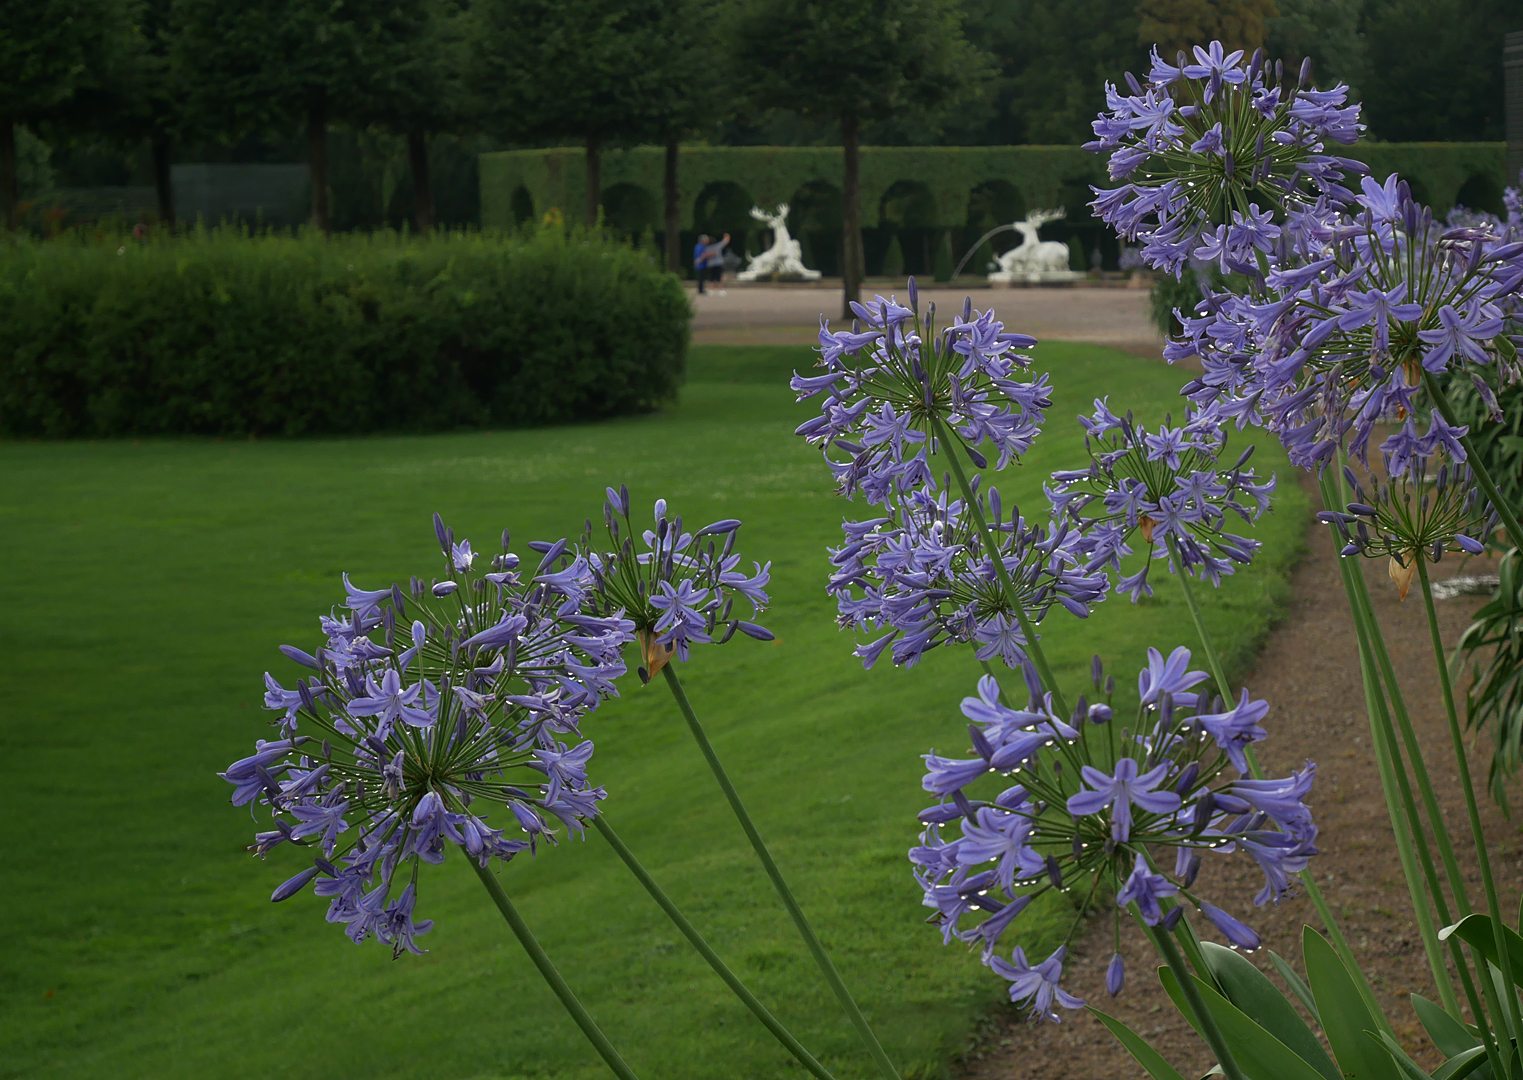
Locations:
column 701, row 260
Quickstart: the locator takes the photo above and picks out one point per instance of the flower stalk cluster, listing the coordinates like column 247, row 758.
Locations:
column 1168, row 487
column 391, row 751
column 1092, row 809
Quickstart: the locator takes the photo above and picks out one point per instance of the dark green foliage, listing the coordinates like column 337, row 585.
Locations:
column 1052, row 59
column 1435, row 68
column 1170, row 294
column 1499, row 445
column 227, row 335
column 1493, row 646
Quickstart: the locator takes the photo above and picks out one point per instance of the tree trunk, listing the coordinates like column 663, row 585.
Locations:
column 422, row 182
column 851, row 218
column 9, row 190
column 673, row 218
column 594, row 179
column 317, row 163
column 163, row 183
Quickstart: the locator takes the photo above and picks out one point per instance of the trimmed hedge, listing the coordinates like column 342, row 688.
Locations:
column 220, row 333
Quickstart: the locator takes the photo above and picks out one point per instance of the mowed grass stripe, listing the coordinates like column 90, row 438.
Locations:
column 149, row 584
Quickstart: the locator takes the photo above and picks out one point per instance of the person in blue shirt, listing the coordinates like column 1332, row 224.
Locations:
column 708, row 259
column 701, row 260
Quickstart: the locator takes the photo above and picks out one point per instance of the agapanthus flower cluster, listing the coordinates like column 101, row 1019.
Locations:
column 1168, row 487
column 892, row 388
column 1213, row 150
column 390, row 750
column 677, row 589
column 924, row 574
column 1338, row 336
column 1427, row 502
column 1048, row 802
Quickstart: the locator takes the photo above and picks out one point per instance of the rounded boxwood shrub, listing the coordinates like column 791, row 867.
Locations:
column 222, row 333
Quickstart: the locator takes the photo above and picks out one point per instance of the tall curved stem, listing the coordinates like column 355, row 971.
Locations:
column 811, row 940
column 721, row 969
column 531, row 946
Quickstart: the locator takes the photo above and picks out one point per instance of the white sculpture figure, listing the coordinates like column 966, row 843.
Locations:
column 784, row 259
column 1035, row 259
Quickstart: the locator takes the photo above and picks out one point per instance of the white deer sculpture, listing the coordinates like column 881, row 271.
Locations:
column 784, row 259
column 1035, row 256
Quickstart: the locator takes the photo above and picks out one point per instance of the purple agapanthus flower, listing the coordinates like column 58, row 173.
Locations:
column 678, row 589
column 1008, row 827
column 1145, row 888
column 890, row 392
column 1167, row 488
column 380, row 770
column 1217, row 135
column 921, row 578
column 1036, row 986
column 1120, row 791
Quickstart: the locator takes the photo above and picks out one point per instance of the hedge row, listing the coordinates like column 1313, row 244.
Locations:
column 220, row 333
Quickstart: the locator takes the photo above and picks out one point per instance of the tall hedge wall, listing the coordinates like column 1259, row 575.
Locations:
column 219, row 333
column 1041, row 175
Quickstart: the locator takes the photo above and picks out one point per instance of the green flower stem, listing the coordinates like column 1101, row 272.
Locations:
column 1033, row 646
column 769, row 1021
column 1376, row 641
column 1213, row 661
column 1477, row 466
column 547, row 969
column 1204, row 1020
column 828, row 969
column 1509, row 994
column 1405, row 823
column 1307, row 876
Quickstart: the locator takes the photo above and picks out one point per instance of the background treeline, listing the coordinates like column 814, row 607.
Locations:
column 391, row 100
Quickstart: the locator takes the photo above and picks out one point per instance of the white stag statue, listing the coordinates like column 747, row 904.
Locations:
column 1047, row 258
column 784, row 259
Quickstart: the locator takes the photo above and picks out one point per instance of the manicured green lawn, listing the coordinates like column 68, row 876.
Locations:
column 146, row 587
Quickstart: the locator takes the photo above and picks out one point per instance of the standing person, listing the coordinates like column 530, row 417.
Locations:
column 714, row 254
column 701, row 260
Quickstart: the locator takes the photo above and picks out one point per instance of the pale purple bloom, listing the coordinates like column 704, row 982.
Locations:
column 1036, row 986
column 348, row 778
column 1115, row 975
column 1239, row 934
column 1169, row 676
column 1145, row 888
column 1236, row 729
column 1459, row 336
column 1120, row 792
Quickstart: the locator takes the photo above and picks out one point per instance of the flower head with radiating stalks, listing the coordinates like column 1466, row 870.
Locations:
column 1167, row 486
column 390, row 750
column 1212, row 148
column 923, row 574
column 1061, row 803
column 677, row 588
column 1417, row 510
column 1339, row 338
column 888, row 388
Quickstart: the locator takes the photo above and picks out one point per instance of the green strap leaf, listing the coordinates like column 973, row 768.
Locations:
column 1407, row 1066
column 1461, row 1064
column 1345, row 1017
column 1250, row 990
column 1137, row 1046
column 1476, row 931
column 1259, row 1054
column 1448, row 1034
column 1296, row 983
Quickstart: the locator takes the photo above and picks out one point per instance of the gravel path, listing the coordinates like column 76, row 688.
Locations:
column 1309, row 671
column 790, row 314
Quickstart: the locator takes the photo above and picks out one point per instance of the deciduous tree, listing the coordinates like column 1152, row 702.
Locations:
column 855, row 61
column 47, row 49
